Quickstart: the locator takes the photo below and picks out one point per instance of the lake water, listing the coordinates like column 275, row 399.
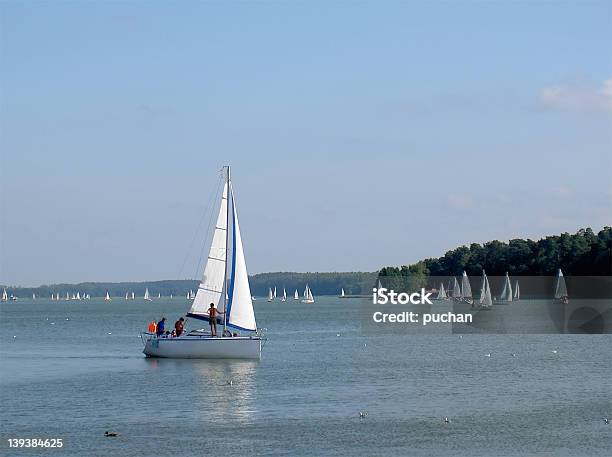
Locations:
column 73, row 370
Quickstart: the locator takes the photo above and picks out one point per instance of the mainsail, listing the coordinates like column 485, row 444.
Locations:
column 456, row 289
column 296, row 295
column 517, row 292
column 466, row 290
column 506, row 294
column 561, row 287
column 270, row 294
column 441, row 292
column 225, row 280
column 485, row 292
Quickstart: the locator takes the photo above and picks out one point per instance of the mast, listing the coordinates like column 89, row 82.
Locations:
column 226, row 250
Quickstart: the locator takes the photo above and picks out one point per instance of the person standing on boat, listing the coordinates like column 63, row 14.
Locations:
column 212, row 319
column 160, row 327
column 179, row 326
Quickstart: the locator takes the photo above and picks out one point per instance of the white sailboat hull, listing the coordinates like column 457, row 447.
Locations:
column 203, row 347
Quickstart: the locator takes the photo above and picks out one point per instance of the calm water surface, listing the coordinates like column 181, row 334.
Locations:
column 75, row 369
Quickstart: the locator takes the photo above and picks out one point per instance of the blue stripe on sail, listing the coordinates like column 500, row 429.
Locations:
column 233, row 276
column 237, row 327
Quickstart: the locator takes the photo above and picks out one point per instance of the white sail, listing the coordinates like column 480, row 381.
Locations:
column 52, row 297
column 211, row 288
column 342, row 292
column 284, row 295
column 240, row 313
column 107, row 298
column 270, row 294
column 78, row 296
column 561, row 287
column 296, row 295
column 274, row 291
column 506, row 293
column 517, row 293
column 308, row 298
column 456, row 289
column 441, row 292
column 4, row 295
column 133, row 297
column 33, row 296
column 485, row 292
column 67, row 296
column 159, row 295
column 126, row 296
column 146, row 294
column 466, row 290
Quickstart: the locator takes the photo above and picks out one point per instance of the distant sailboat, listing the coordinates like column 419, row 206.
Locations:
column 506, row 294
column 284, row 295
column 88, row 297
column 456, row 290
column 4, row 295
column 73, row 296
column 133, row 297
column 170, row 296
column 78, row 296
column 275, row 292
column 561, row 288
column 441, row 293
column 159, row 295
column 52, row 297
column 517, row 293
column 147, row 297
column 466, row 289
column 308, row 298
column 67, row 296
column 296, row 295
column 107, row 298
column 33, row 296
column 270, row 294
column 342, row 294
column 486, row 301
column 126, row 296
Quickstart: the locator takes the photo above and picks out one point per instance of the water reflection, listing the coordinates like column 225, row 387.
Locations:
column 223, row 389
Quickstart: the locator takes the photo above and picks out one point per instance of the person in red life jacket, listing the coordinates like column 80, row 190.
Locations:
column 212, row 319
column 152, row 327
column 161, row 327
column 179, row 326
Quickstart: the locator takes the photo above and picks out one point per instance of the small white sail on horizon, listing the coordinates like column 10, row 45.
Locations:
column 147, row 297
column 126, row 296
column 107, row 298
column 486, row 301
column 308, row 297
column 296, row 295
column 133, row 296
column 561, row 287
column 159, row 295
column 270, row 294
column 506, row 294
column 284, row 295
column 4, row 295
column 342, row 294
column 466, row 289
column 456, row 289
column 441, row 293
column 33, row 296
column 517, row 293
column 78, row 296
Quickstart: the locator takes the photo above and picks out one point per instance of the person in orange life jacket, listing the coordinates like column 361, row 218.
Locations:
column 212, row 319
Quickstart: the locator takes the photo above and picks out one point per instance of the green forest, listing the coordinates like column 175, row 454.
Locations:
column 583, row 253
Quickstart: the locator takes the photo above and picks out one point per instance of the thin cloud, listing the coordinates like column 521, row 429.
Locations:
column 578, row 98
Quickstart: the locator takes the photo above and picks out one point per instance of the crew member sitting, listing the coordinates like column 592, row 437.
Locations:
column 179, row 326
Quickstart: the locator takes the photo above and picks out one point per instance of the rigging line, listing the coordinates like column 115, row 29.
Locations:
column 208, row 234
column 190, row 246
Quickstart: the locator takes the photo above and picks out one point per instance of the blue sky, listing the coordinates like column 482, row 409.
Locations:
column 361, row 134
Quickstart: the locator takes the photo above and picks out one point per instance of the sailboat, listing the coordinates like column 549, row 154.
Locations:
column 274, row 291
column 466, row 289
column 284, row 295
column 4, row 295
column 158, row 294
column 456, row 290
column 308, row 298
column 107, row 298
column 486, row 301
column 126, row 296
column 133, row 297
column 33, row 296
column 517, row 292
column 147, row 297
column 225, row 284
column 67, row 296
column 52, row 297
column 78, row 296
column 342, row 294
column 296, row 295
column 506, row 294
column 561, row 288
column 441, row 293
column 270, row 294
